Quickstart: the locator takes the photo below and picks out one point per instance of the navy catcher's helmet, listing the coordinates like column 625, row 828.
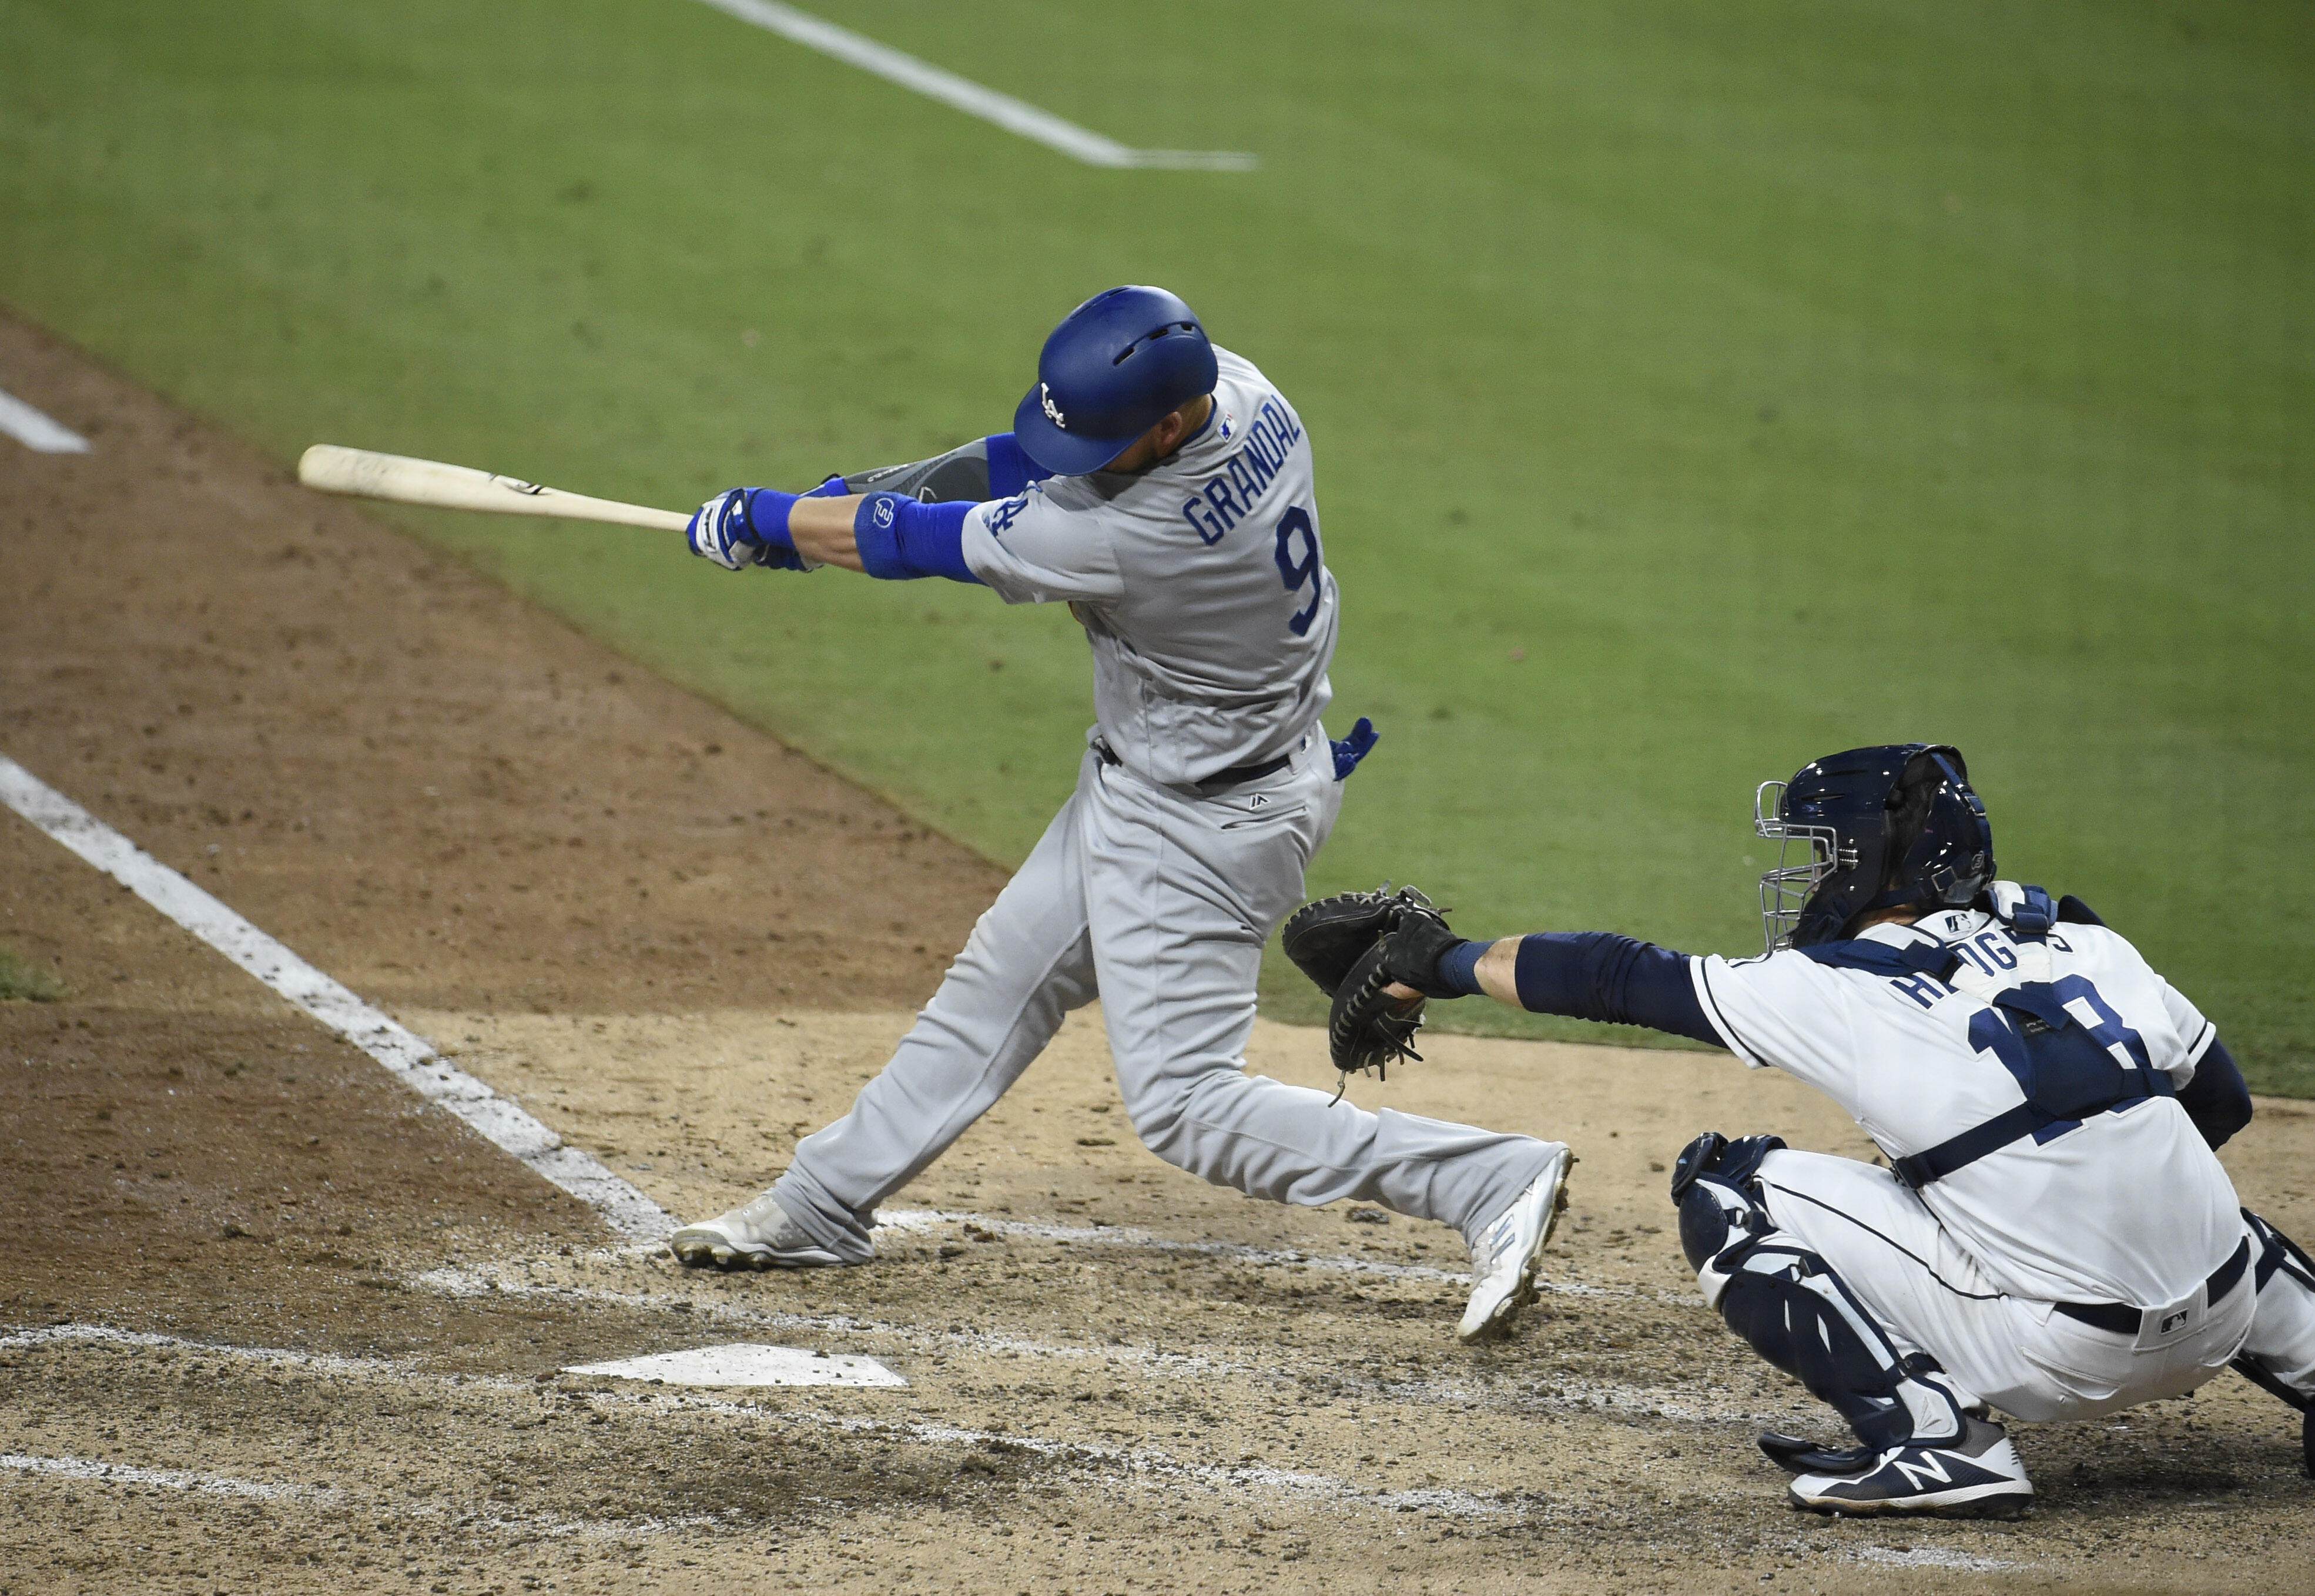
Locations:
column 1112, row 369
column 1884, row 828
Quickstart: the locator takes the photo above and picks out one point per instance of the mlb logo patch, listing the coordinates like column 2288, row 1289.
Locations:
column 2173, row 1321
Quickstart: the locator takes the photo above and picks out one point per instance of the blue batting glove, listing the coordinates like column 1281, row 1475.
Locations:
column 1349, row 750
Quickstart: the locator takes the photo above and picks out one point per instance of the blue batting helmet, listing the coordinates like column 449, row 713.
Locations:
column 1884, row 828
column 1114, row 365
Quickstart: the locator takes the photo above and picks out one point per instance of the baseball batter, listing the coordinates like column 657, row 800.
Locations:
column 2055, row 1235
column 1163, row 489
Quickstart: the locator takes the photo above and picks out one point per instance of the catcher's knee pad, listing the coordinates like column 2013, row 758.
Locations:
column 1719, row 1201
column 1790, row 1307
column 1715, row 1215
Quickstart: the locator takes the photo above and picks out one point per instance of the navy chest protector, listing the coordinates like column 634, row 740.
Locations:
column 2071, row 1053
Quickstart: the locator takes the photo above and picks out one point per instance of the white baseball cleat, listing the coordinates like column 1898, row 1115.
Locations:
column 759, row 1235
column 1975, row 1476
column 1509, row 1252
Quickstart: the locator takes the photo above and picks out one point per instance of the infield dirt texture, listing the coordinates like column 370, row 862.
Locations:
column 277, row 1327
column 1687, row 376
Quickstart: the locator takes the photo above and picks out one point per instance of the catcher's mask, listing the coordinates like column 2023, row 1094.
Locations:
column 1873, row 827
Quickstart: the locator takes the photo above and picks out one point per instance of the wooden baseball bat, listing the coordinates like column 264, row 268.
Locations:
column 369, row 475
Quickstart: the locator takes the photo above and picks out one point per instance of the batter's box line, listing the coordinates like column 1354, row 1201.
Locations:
column 470, row 1283
column 407, row 1056
column 95, row 1471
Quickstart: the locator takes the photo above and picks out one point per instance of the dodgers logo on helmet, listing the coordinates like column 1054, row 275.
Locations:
column 1052, row 409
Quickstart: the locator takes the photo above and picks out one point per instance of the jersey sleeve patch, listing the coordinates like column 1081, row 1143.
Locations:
column 1033, row 550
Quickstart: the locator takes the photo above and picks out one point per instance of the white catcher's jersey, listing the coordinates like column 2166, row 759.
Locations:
column 1201, row 585
column 2130, row 1206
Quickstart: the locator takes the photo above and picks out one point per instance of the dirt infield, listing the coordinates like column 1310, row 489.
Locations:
column 268, row 1323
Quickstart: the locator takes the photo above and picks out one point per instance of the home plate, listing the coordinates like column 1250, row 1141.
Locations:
column 746, row 1363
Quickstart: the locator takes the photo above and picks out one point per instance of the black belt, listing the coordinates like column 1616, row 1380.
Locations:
column 2122, row 1320
column 1222, row 781
column 1237, row 776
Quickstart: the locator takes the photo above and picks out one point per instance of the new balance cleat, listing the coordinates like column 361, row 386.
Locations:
column 1975, row 1476
column 1509, row 1252
column 759, row 1235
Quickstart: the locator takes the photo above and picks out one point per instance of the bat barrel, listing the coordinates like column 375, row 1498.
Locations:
column 366, row 474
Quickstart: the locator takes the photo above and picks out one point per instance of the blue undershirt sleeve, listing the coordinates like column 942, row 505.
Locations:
column 2218, row 1099
column 900, row 540
column 1010, row 468
column 1598, row 975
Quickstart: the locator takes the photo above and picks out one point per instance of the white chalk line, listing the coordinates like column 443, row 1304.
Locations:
column 49, row 1334
column 499, row 1279
column 1149, row 1463
column 409, row 1057
column 934, row 83
column 1933, row 1557
column 40, row 434
column 171, row 1479
column 94, row 1471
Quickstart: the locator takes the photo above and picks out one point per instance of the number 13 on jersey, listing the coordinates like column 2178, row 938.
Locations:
column 1298, row 562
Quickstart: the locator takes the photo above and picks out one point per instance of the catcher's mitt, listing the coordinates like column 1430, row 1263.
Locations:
column 1326, row 938
column 1354, row 945
column 1371, row 1029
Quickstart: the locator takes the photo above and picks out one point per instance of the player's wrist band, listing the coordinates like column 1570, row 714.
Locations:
column 767, row 517
column 1458, row 966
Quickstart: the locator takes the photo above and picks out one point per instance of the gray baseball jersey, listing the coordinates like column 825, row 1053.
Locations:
column 1201, row 583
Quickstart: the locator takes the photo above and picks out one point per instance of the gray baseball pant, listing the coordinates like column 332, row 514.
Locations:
column 1158, row 902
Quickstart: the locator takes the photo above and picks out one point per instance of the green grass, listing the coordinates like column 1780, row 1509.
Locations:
column 1698, row 386
column 23, row 982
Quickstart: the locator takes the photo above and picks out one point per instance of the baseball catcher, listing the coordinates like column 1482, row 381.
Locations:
column 2053, row 1235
